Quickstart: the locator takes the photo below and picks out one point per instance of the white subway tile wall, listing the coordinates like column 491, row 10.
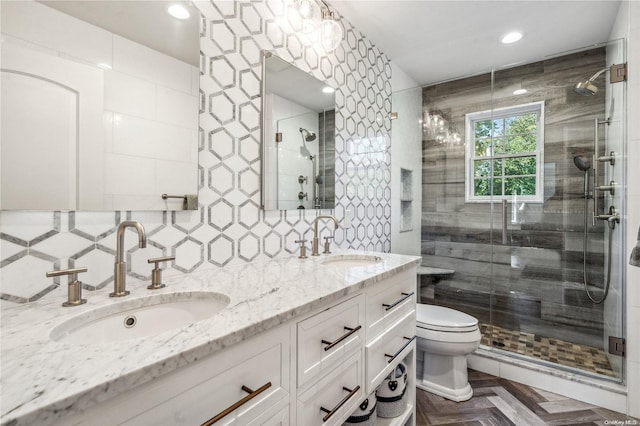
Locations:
column 228, row 228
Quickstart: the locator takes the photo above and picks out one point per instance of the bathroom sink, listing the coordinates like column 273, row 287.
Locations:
column 139, row 317
column 351, row 260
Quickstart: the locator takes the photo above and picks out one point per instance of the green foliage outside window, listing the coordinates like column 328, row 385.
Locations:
column 507, row 162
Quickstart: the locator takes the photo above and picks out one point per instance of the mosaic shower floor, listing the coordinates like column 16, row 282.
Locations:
column 554, row 350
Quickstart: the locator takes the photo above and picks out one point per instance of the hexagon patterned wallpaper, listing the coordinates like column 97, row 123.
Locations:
column 229, row 228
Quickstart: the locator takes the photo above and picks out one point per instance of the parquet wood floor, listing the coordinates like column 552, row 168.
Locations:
column 499, row 401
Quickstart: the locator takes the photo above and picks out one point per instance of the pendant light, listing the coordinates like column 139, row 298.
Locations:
column 330, row 31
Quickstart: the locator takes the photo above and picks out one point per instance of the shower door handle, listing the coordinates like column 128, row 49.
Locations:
column 504, row 221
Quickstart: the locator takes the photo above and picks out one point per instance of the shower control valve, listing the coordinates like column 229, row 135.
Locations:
column 612, row 218
column 611, row 187
column 611, row 158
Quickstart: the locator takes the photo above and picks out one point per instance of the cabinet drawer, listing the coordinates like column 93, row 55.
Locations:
column 384, row 353
column 390, row 300
column 331, row 400
column 213, row 396
column 197, row 392
column 327, row 338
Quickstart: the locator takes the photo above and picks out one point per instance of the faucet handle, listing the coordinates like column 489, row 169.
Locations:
column 74, row 288
column 327, row 246
column 156, row 272
column 303, row 249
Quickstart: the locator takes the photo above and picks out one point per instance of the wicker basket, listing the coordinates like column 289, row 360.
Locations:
column 392, row 393
column 365, row 415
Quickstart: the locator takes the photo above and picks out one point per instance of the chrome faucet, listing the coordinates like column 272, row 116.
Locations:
column 120, row 269
column 314, row 249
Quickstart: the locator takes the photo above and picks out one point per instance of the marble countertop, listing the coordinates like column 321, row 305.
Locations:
column 43, row 380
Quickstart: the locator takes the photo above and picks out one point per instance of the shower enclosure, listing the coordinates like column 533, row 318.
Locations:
column 523, row 196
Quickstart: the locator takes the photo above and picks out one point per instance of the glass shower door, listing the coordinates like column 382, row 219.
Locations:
column 456, row 232
column 555, row 152
column 297, row 155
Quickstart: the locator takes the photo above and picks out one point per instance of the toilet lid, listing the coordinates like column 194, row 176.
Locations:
column 441, row 318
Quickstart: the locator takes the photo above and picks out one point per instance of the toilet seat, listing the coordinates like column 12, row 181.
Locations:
column 439, row 318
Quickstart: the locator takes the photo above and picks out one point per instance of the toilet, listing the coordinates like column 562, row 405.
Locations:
column 446, row 337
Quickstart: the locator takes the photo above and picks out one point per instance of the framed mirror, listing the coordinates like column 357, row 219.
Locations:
column 298, row 138
column 99, row 106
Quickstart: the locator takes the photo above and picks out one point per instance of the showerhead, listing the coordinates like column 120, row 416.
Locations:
column 310, row 135
column 587, row 88
column 581, row 163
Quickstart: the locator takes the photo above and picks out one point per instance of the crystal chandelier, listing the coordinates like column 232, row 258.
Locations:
column 438, row 129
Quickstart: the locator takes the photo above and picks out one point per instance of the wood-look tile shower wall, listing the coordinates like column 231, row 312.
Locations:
column 537, row 276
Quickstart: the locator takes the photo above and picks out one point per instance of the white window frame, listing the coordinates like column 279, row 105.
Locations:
column 471, row 118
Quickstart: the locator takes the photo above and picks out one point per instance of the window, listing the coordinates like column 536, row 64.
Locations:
column 504, row 154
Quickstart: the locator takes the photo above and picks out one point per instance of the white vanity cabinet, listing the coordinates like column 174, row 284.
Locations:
column 331, row 399
column 205, row 389
column 364, row 356
column 388, row 301
column 312, row 370
column 330, row 363
column 390, row 338
column 325, row 339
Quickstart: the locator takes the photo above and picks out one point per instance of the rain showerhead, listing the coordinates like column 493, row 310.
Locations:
column 310, row 135
column 587, row 88
column 581, row 163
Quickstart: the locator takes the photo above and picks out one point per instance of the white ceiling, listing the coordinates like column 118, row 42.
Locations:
column 434, row 41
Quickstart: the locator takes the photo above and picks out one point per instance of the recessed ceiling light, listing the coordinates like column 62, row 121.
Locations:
column 520, row 92
column 178, row 11
column 511, row 37
column 328, row 89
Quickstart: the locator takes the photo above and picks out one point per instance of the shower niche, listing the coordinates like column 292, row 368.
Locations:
column 298, row 138
column 406, row 200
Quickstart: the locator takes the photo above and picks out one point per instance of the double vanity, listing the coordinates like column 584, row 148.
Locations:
column 286, row 341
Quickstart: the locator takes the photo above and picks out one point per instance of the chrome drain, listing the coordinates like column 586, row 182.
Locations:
column 130, row 321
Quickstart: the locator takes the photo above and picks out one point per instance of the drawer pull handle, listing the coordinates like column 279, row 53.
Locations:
column 340, row 404
column 404, row 297
column 235, row 405
column 341, row 338
column 392, row 357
